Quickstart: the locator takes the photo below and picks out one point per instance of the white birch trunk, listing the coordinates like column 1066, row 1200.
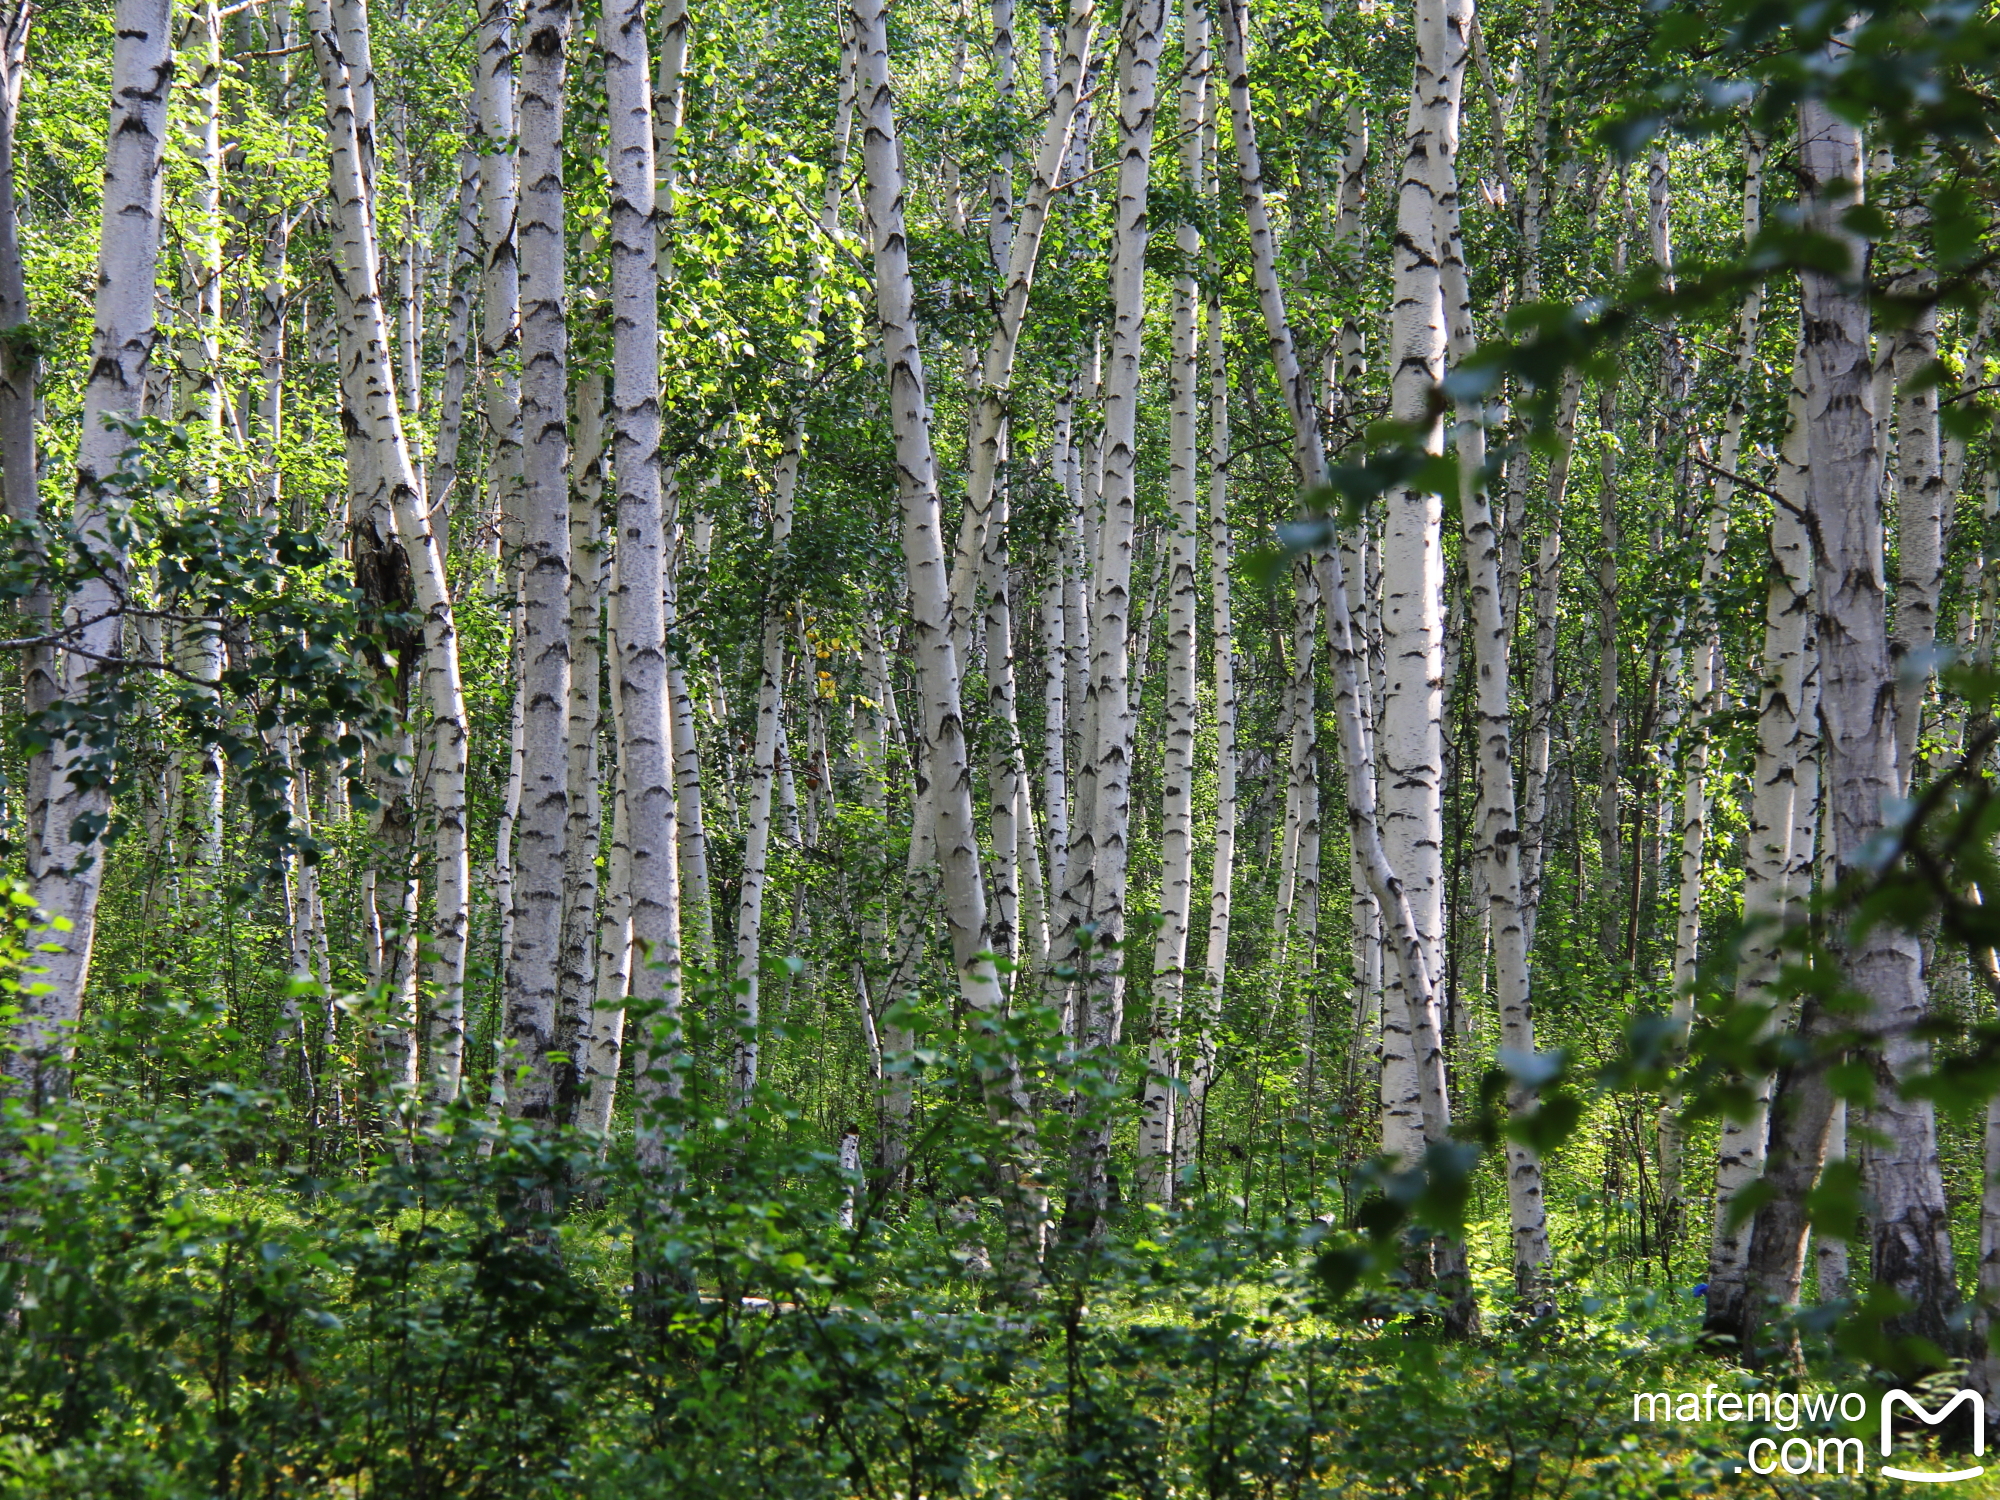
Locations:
column 544, row 568
column 577, row 978
column 1108, row 765
column 444, row 474
column 614, row 933
column 645, row 734
column 1922, row 504
column 1498, row 835
column 995, row 372
column 1708, row 691
column 1542, row 676
column 198, row 645
column 500, row 270
column 1157, row 1117
column 763, row 781
column 1785, row 707
column 1912, row 1242
column 393, row 488
column 1223, row 643
column 1410, row 744
column 950, row 811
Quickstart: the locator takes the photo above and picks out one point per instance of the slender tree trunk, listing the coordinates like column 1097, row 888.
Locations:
column 614, row 933
column 66, row 849
column 697, row 917
column 1411, row 743
column 950, row 813
column 1170, row 943
column 763, row 781
column 500, row 270
column 1542, row 675
column 1922, row 505
column 996, row 369
column 20, row 370
column 392, row 487
column 1498, row 835
column 1707, row 695
column 645, row 734
column 1786, row 706
column 543, row 558
column 577, row 976
column 1222, row 635
column 1912, row 1242
column 1006, row 766
column 444, row 474
column 1109, row 763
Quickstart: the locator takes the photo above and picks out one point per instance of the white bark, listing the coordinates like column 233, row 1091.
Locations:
column 1776, row 874
column 1163, row 1065
column 391, row 486
column 1922, row 504
column 614, row 933
column 1497, row 838
column 198, row 375
column 1542, row 676
column 945, row 757
column 645, row 750
column 995, row 375
column 763, row 780
column 500, row 271
column 1410, row 743
column 1222, row 634
column 1707, row 694
column 1912, row 1242
column 544, row 564
column 444, row 474
column 584, row 810
column 1097, row 886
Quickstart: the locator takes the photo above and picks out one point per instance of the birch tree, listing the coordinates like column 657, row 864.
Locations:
column 543, row 637
column 66, row 829
column 1170, row 944
column 645, row 714
column 1912, row 1251
column 950, row 808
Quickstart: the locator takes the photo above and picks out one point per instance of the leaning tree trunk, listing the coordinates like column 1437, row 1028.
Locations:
column 1415, row 972
column 1858, row 712
column 66, row 850
column 945, row 754
column 391, row 486
column 995, row 375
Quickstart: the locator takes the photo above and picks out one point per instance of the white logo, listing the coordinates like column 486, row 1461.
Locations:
column 1931, row 1419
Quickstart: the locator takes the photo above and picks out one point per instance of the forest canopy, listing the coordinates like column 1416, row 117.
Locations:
column 1039, row 748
